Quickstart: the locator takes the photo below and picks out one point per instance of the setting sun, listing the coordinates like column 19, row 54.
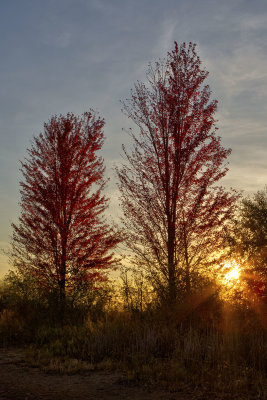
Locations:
column 232, row 274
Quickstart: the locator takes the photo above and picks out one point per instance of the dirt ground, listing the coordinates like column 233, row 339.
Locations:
column 21, row 381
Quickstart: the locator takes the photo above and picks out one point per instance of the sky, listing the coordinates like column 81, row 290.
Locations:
column 60, row 56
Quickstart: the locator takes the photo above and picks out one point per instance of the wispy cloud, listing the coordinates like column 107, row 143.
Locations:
column 166, row 37
column 253, row 22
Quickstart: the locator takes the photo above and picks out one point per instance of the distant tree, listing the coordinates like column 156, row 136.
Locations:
column 174, row 212
column 248, row 241
column 62, row 238
column 135, row 291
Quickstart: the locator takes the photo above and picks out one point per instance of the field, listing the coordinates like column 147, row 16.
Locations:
column 213, row 350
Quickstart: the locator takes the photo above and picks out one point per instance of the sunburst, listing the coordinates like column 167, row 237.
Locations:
column 232, row 273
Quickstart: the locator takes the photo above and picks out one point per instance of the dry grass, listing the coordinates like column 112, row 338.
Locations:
column 177, row 349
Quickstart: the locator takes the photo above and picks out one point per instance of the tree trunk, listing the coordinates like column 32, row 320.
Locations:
column 62, row 291
column 62, row 299
column 62, row 283
column 187, row 266
column 187, row 279
column 171, row 267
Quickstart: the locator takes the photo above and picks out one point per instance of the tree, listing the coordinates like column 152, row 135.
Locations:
column 62, row 238
column 174, row 212
column 248, row 241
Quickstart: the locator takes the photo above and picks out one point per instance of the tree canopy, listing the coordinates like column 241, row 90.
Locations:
column 174, row 210
column 248, row 241
column 62, row 238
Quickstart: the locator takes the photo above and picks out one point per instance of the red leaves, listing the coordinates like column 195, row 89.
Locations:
column 173, row 210
column 61, row 235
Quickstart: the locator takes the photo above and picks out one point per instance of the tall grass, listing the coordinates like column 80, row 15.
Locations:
column 223, row 351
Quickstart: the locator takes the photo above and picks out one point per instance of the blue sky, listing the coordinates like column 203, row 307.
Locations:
column 70, row 55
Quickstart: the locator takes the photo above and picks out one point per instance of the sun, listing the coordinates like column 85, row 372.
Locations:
column 232, row 274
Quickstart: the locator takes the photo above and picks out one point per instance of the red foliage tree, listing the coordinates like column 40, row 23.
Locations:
column 174, row 212
column 62, row 238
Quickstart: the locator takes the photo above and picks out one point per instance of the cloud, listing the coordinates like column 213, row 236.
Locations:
column 241, row 70
column 166, row 37
column 253, row 22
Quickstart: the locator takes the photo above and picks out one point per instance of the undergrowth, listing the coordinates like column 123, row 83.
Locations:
column 226, row 356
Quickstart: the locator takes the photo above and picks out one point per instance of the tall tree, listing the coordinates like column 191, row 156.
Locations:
column 174, row 212
column 62, row 237
column 248, row 241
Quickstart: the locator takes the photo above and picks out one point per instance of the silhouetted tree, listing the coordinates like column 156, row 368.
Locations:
column 248, row 241
column 62, row 238
column 174, row 212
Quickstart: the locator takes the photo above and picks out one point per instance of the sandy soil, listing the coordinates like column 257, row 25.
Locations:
column 21, row 381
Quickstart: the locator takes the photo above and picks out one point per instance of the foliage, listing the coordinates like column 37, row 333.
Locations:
column 248, row 242
column 174, row 211
column 62, row 238
column 26, row 309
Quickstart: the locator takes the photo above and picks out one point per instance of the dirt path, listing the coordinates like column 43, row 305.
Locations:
column 20, row 381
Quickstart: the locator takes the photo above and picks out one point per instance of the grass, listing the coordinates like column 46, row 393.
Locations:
column 222, row 356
